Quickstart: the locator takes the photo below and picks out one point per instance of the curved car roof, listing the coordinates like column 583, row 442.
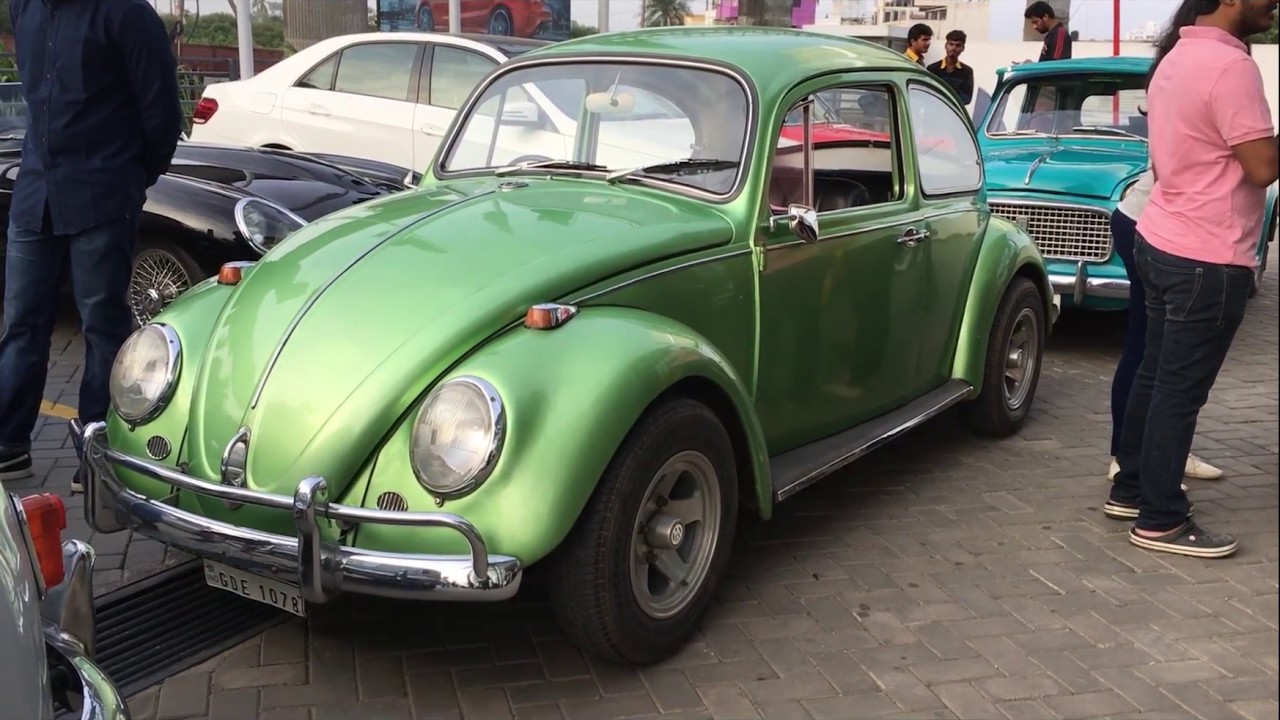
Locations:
column 1121, row 64
column 774, row 58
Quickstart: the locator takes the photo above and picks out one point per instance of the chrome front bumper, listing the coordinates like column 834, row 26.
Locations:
column 1080, row 285
column 319, row 568
column 69, row 628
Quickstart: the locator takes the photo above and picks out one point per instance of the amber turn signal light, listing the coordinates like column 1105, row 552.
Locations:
column 547, row 316
column 231, row 273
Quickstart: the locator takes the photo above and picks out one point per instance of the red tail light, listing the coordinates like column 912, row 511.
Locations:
column 204, row 110
column 46, row 519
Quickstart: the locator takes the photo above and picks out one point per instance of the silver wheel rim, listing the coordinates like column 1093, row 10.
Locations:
column 1021, row 358
column 674, row 536
column 500, row 24
column 158, row 278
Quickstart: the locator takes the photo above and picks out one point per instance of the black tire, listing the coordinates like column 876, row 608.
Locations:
column 498, row 18
column 591, row 585
column 424, row 20
column 150, row 249
column 993, row 413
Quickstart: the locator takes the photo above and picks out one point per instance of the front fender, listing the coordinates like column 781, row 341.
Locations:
column 571, row 395
column 1006, row 251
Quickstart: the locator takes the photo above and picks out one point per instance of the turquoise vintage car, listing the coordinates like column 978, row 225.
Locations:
column 580, row 363
column 1063, row 142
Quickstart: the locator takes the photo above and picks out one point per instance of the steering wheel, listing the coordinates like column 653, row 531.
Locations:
column 1042, row 121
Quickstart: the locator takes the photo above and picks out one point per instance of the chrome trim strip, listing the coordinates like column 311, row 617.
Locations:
column 867, row 228
column 319, row 568
column 993, row 199
column 581, row 299
column 877, row 442
column 1035, row 165
column 315, row 297
column 748, row 138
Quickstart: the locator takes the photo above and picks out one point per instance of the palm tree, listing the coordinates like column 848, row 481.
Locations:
column 663, row 13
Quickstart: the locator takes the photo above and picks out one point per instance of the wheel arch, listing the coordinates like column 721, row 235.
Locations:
column 1007, row 252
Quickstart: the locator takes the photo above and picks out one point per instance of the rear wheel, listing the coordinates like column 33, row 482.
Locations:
column 638, row 570
column 161, row 272
column 1012, row 371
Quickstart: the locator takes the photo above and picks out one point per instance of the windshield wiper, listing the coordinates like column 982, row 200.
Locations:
column 675, row 168
column 548, row 165
column 1105, row 130
column 1002, row 133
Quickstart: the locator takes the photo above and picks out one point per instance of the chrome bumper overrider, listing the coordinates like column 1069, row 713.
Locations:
column 69, row 628
column 1080, row 285
column 320, row 568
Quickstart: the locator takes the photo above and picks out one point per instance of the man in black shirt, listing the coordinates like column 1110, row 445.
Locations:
column 957, row 75
column 1057, row 41
column 103, row 121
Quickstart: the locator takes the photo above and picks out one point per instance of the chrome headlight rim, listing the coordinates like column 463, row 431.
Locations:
column 497, row 436
column 174, row 347
column 243, row 225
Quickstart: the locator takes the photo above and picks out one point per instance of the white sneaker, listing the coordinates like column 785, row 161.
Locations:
column 1200, row 470
column 1115, row 469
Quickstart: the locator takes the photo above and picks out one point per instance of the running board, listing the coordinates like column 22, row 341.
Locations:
column 797, row 469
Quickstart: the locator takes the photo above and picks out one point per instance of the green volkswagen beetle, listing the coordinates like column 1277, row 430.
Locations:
column 588, row 345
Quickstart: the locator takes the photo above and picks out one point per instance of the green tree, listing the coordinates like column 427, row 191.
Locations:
column 664, row 13
column 577, row 29
column 220, row 29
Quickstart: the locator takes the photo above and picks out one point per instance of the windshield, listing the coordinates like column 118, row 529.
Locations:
column 13, row 116
column 607, row 117
column 1093, row 104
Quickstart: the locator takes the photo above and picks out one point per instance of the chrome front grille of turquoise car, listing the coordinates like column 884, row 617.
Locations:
column 1061, row 231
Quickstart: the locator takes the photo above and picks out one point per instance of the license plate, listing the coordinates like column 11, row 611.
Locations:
column 247, row 585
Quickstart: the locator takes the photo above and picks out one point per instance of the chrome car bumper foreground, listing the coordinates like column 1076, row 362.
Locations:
column 69, row 628
column 319, row 568
column 1080, row 285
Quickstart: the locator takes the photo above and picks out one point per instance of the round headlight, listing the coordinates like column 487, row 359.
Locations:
column 264, row 224
column 145, row 372
column 457, row 436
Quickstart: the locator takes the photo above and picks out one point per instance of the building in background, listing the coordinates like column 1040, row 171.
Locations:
column 887, row 21
column 774, row 13
column 543, row 19
column 307, row 22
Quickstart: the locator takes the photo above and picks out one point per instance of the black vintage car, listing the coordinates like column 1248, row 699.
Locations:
column 216, row 204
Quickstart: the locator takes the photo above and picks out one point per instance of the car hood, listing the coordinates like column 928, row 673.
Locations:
column 338, row 330
column 1065, row 168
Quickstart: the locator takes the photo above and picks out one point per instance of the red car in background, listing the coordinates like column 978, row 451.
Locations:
column 513, row 18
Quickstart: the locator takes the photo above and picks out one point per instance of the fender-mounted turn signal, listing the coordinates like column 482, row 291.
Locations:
column 231, row 273
column 549, row 316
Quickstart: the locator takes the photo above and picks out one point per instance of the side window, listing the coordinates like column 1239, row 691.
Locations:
column 856, row 153
column 377, row 69
column 454, row 73
column 321, row 76
column 946, row 154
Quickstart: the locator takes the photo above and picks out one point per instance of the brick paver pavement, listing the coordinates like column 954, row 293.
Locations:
column 943, row 577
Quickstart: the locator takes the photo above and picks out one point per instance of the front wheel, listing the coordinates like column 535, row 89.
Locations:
column 638, row 570
column 161, row 272
column 1012, row 369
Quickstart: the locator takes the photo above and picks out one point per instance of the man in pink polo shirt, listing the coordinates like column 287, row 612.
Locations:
column 1213, row 152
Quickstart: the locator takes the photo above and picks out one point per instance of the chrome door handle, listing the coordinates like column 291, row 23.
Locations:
column 913, row 237
column 317, row 110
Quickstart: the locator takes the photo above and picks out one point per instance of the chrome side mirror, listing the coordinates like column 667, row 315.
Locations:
column 803, row 222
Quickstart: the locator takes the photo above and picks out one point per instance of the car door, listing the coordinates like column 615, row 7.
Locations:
column 949, row 167
column 839, row 316
column 357, row 103
column 449, row 74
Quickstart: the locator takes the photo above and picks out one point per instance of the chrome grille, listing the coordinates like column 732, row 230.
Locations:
column 1062, row 232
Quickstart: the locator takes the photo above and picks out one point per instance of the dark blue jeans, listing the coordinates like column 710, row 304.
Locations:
column 1123, row 231
column 99, row 260
column 1193, row 311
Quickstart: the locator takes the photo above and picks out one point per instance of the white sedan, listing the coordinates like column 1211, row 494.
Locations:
column 382, row 96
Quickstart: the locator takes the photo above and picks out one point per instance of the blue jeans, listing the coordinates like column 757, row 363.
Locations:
column 1193, row 311
column 100, row 261
column 1123, row 232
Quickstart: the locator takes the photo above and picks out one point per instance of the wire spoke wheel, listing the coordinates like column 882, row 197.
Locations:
column 158, row 279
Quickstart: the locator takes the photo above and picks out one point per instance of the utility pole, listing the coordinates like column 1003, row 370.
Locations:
column 244, row 37
column 602, row 9
column 455, row 17
column 180, row 19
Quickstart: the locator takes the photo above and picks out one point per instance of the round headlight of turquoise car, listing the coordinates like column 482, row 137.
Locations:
column 264, row 224
column 457, row 436
column 144, row 373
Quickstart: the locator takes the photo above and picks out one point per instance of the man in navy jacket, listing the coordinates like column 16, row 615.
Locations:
column 103, row 122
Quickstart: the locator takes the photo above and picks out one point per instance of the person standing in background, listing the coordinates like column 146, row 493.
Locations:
column 1057, row 40
column 1213, row 153
column 919, row 38
column 957, row 75
column 103, row 122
